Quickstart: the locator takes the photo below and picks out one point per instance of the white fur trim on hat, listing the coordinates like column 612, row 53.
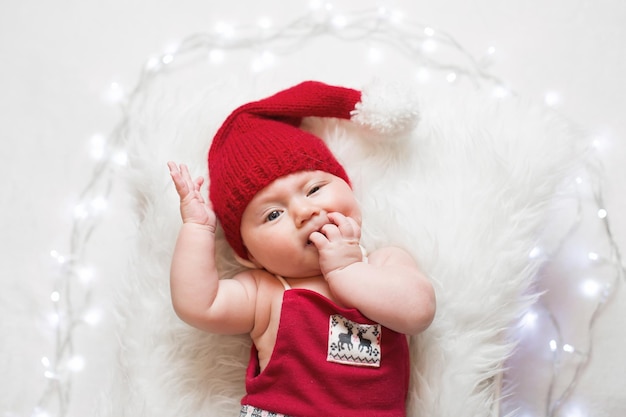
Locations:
column 388, row 108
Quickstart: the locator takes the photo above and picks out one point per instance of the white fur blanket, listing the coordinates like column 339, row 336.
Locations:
column 466, row 192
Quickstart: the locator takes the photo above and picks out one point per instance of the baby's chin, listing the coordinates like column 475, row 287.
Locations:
column 310, row 270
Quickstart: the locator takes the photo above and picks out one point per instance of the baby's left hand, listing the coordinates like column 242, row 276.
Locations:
column 337, row 243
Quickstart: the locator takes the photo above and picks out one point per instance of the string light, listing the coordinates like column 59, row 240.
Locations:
column 216, row 56
column 429, row 46
column 422, row 75
column 568, row 348
column 265, row 23
column 592, row 256
column 224, row 30
column 529, row 321
column 76, row 363
column 263, row 61
column 590, row 288
column 71, row 294
column 92, row 317
column 375, row 55
column 339, row 22
column 418, row 42
column 38, row 412
column 86, row 274
column 115, row 93
column 553, row 345
column 98, row 142
column 501, row 92
column 120, row 158
column 598, row 288
column 552, row 98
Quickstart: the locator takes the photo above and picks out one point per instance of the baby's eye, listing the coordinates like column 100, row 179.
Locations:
column 313, row 190
column 273, row 215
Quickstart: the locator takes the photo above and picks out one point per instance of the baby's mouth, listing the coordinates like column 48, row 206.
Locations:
column 309, row 242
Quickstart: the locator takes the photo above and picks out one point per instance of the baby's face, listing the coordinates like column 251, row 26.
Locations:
column 277, row 223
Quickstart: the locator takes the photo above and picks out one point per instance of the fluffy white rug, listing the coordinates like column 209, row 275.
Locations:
column 466, row 192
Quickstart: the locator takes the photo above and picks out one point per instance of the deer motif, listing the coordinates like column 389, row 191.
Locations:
column 364, row 342
column 345, row 339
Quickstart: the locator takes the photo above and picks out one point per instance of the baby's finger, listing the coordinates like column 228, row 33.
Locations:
column 347, row 226
column 331, row 231
column 179, row 182
column 318, row 239
column 184, row 169
column 198, row 183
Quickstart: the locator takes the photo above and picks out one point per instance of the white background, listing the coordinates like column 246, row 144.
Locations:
column 60, row 58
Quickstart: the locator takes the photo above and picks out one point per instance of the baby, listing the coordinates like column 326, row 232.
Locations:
column 329, row 325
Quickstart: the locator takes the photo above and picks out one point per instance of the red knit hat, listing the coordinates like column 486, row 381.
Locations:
column 261, row 141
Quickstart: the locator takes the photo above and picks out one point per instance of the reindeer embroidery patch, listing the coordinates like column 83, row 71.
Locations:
column 353, row 343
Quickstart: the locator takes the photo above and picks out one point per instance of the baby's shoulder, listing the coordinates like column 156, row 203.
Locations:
column 266, row 284
column 268, row 299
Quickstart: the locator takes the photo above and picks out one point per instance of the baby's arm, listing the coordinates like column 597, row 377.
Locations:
column 389, row 289
column 198, row 296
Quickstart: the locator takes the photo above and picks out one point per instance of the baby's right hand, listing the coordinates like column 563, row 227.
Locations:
column 193, row 207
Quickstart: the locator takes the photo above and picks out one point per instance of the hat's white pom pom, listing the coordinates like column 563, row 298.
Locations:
column 389, row 109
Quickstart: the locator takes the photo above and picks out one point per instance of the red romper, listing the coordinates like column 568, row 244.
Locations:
column 329, row 361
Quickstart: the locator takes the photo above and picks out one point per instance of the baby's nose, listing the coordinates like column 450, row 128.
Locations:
column 304, row 212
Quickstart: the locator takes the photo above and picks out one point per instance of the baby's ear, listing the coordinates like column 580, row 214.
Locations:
column 390, row 109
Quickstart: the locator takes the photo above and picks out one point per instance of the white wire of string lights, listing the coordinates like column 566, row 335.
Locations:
column 71, row 296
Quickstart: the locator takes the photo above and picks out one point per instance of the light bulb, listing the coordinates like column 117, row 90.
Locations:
column 263, row 61
column 115, row 93
column 54, row 319
column 80, row 212
column 553, row 345
column 590, row 288
column 120, row 158
column 224, row 29
column 501, row 92
column 529, row 320
column 99, row 203
column 535, row 252
column 429, row 46
column 264, row 22
column 86, row 274
column 97, row 146
column 216, row 56
column 93, row 317
column 552, row 98
column 40, row 412
column 422, row 75
column 339, row 22
column 374, row 55
column 76, row 363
